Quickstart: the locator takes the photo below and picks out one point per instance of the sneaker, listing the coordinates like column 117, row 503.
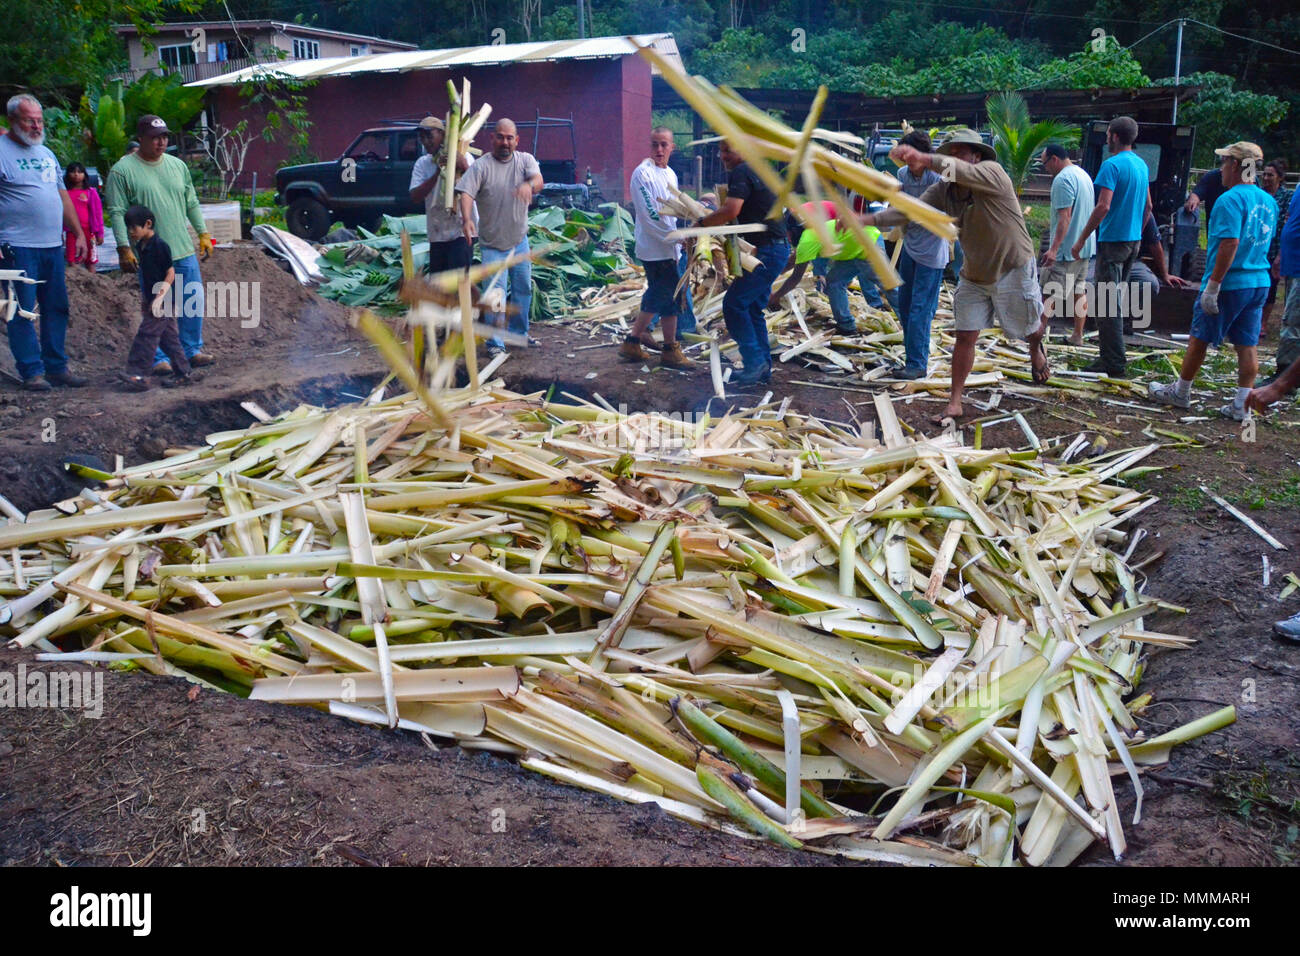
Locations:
column 673, row 356
column 631, row 351
column 758, row 376
column 494, row 350
column 66, row 379
column 1232, row 411
column 36, row 383
column 1288, row 631
column 200, row 359
column 182, row 381
column 135, row 383
column 1100, row 369
column 162, row 368
column 1167, row 394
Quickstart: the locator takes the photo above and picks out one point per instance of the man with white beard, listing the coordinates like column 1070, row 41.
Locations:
column 34, row 210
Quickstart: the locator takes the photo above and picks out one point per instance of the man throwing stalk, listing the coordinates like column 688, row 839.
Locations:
column 503, row 183
column 652, row 181
column 151, row 178
column 1123, row 201
column 448, row 247
column 999, row 275
column 748, row 202
column 1236, row 279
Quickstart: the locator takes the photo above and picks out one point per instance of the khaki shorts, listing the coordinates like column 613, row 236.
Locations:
column 1064, row 280
column 1014, row 301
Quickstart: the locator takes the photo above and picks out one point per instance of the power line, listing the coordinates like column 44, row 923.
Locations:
column 1241, row 37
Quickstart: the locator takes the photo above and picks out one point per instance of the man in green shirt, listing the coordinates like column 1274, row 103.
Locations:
column 150, row 177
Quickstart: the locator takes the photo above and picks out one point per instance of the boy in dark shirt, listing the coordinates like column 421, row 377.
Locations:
column 157, row 317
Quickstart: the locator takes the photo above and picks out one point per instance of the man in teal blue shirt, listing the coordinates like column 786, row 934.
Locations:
column 1123, row 200
column 1236, row 279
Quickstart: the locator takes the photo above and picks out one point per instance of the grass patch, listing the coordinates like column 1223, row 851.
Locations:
column 1269, row 804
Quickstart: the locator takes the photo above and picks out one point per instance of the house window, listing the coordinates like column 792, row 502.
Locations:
column 360, row 49
column 218, row 52
column 306, row 49
column 176, row 56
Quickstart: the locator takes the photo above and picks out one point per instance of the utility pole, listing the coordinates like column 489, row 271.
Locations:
column 1178, row 69
column 582, row 20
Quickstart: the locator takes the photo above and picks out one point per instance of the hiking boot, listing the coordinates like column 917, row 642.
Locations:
column 36, row 383
column 631, row 351
column 1167, row 394
column 162, row 368
column 846, row 328
column 66, row 379
column 200, row 359
column 1288, row 631
column 673, row 356
column 1236, row 413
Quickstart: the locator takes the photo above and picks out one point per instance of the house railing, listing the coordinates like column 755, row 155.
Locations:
column 189, row 72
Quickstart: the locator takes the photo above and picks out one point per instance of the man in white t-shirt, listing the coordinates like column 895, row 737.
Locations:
column 653, row 181
column 448, row 247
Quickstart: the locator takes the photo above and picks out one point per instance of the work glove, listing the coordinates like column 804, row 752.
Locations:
column 205, row 245
column 127, row 259
column 1210, row 298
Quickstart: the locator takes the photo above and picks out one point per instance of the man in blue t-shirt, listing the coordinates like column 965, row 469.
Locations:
column 1123, row 200
column 1236, row 279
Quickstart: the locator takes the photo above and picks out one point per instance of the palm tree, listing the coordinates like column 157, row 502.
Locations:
column 1017, row 140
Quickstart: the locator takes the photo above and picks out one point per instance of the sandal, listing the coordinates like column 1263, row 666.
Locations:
column 1041, row 373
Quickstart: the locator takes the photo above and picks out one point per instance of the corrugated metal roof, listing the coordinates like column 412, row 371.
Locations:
column 500, row 54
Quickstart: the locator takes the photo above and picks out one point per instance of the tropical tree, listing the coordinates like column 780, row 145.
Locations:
column 1018, row 140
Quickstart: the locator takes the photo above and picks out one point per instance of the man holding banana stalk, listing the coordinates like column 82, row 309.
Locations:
column 999, row 274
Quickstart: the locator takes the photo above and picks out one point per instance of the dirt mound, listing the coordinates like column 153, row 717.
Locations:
column 104, row 310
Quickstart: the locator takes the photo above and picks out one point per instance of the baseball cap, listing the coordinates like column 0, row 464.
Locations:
column 150, row 125
column 431, row 122
column 1242, row 150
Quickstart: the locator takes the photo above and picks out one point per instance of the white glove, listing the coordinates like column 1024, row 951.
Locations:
column 1210, row 298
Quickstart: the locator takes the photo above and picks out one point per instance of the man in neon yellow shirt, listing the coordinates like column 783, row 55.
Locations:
column 149, row 177
column 848, row 263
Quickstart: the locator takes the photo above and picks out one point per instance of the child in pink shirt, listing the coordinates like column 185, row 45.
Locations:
column 89, row 210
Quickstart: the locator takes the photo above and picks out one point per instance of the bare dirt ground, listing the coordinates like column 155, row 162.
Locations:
column 163, row 778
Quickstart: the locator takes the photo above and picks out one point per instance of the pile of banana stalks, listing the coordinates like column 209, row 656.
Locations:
column 906, row 650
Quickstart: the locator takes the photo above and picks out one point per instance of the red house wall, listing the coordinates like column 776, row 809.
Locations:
column 608, row 99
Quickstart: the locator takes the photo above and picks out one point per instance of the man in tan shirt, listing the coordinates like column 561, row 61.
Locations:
column 999, row 277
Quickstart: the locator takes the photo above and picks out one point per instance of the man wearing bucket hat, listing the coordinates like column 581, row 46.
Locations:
column 1236, row 279
column 448, row 247
column 999, row 275
column 150, row 177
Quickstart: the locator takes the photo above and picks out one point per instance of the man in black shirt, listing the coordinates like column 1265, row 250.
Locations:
column 748, row 202
column 1207, row 191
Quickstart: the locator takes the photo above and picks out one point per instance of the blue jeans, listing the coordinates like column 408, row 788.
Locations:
column 45, row 355
column 838, row 277
column 918, row 297
column 190, row 320
column 745, row 301
column 517, row 282
column 686, row 315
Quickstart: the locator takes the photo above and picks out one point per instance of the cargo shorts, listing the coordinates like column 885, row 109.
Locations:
column 1015, row 302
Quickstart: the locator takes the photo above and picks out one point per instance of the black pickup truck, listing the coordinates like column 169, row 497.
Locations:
column 371, row 178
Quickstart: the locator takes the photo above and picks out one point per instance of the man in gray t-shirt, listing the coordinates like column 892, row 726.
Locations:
column 34, row 210
column 503, row 184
